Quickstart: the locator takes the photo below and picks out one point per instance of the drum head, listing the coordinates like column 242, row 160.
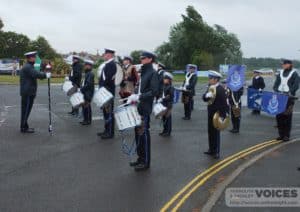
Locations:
column 119, row 75
column 72, row 90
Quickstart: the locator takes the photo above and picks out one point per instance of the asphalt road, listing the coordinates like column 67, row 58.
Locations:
column 74, row 170
column 276, row 170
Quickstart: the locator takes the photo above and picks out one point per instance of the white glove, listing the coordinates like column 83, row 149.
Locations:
column 260, row 90
column 209, row 95
column 133, row 99
column 67, row 79
column 160, row 100
column 48, row 75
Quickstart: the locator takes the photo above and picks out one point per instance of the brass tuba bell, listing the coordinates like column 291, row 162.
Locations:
column 213, row 90
column 220, row 123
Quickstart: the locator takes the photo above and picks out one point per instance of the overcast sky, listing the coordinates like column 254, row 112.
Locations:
column 264, row 27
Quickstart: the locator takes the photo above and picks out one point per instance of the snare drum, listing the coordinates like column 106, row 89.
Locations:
column 127, row 117
column 67, row 86
column 77, row 99
column 159, row 109
column 102, row 97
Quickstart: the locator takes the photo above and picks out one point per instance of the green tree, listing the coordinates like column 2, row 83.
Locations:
column 43, row 47
column 194, row 40
column 13, row 44
column 136, row 56
column 203, row 60
column 1, row 24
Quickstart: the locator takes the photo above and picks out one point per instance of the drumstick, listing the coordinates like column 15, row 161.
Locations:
column 121, row 100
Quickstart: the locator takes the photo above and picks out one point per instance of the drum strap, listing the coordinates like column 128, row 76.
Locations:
column 234, row 101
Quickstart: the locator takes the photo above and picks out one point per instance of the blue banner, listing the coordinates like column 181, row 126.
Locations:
column 236, row 77
column 274, row 103
column 254, row 99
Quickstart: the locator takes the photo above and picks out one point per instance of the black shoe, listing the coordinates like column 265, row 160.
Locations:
column 141, row 167
column 133, row 164
column 279, row 138
column 85, row 123
column 298, row 168
column 101, row 133
column 161, row 134
column 234, row 131
column 186, row 118
column 285, row 139
column 107, row 136
column 166, row 135
column 71, row 113
column 28, row 130
column 216, row 156
column 209, row 153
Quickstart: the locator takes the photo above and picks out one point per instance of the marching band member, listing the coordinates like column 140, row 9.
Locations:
column 167, row 101
column 160, row 72
column 87, row 90
column 235, row 101
column 106, row 79
column 188, row 92
column 148, row 90
column 130, row 78
column 258, row 83
column 287, row 82
column 28, row 88
column 217, row 102
column 75, row 77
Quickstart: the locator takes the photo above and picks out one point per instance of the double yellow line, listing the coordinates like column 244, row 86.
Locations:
column 198, row 181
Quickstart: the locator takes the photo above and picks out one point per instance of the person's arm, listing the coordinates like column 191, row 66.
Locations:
column 77, row 73
column 295, row 84
column 154, row 88
column 109, row 71
column 193, row 82
column 277, row 83
column 223, row 106
column 35, row 74
column 263, row 85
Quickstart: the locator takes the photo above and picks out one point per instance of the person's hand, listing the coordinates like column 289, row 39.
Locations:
column 209, row 95
column 48, row 75
column 134, row 98
column 260, row 90
column 67, row 79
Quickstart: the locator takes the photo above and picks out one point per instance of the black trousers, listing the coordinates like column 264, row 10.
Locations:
column 167, row 122
column 109, row 120
column 87, row 112
column 26, row 106
column 213, row 136
column 143, row 141
column 236, row 121
column 284, row 120
column 188, row 107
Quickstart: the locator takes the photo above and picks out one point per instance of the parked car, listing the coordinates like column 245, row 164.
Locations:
column 7, row 66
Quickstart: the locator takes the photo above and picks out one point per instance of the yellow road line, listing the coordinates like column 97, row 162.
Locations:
column 200, row 183
column 174, row 198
